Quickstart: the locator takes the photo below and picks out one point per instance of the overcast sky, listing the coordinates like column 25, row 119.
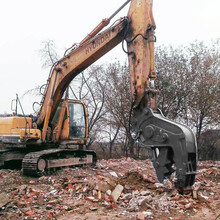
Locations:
column 26, row 23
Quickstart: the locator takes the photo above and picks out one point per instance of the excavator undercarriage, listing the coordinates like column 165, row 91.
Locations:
column 43, row 160
column 48, row 161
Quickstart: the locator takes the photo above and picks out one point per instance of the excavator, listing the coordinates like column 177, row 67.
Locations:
column 57, row 135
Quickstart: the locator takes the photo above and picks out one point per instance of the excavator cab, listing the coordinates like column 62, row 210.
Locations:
column 71, row 122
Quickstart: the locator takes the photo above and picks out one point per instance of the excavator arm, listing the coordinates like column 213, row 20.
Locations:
column 173, row 145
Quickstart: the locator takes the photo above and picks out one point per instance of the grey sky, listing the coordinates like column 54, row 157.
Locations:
column 26, row 23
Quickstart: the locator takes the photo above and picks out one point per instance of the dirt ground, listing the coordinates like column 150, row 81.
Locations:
column 113, row 189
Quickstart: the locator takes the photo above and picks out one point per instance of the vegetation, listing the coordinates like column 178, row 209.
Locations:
column 188, row 80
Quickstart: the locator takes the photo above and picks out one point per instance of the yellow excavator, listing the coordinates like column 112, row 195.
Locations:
column 57, row 135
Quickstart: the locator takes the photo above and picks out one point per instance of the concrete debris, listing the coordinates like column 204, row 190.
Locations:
column 115, row 189
column 196, row 186
column 144, row 202
column 141, row 216
column 144, row 215
column 187, row 206
column 103, row 186
column 145, row 193
column 159, row 185
column 4, row 199
column 204, row 197
column 109, row 192
column 127, row 196
column 195, row 194
column 133, row 205
column 113, row 174
column 90, row 198
column 117, row 192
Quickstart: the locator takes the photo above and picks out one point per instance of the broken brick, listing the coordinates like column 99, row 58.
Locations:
column 112, row 206
column 90, row 198
column 50, row 215
column 187, row 206
column 29, row 213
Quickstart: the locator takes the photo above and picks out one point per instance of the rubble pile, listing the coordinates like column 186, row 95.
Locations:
column 113, row 189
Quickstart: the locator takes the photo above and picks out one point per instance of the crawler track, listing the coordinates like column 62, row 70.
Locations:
column 47, row 161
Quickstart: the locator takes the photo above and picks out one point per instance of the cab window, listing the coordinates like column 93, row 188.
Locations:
column 77, row 120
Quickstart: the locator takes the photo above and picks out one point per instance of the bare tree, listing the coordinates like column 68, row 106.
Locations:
column 118, row 100
column 203, row 105
column 189, row 82
column 174, row 80
column 48, row 53
column 210, row 145
column 89, row 87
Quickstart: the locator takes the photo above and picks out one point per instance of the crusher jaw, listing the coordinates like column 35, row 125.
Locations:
column 173, row 145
